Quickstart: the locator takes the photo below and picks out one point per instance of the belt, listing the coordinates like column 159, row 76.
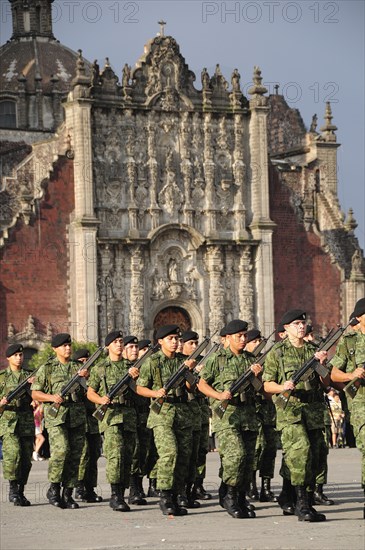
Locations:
column 126, row 403
column 176, row 399
column 305, row 398
column 236, row 401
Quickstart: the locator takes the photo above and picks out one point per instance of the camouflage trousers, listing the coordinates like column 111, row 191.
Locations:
column 358, row 423
column 142, row 446
column 66, row 445
column 174, row 445
column 118, row 449
column 321, row 477
column 193, row 456
column 17, row 457
column 203, row 450
column 265, row 451
column 91, row 452
column 237, row 452
column 151, row 460
column 301, row 450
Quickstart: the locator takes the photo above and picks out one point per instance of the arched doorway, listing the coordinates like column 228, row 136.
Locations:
column 173, row 315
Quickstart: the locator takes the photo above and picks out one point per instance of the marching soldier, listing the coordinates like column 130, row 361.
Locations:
column 66, row 431
column 172, row 428
column 266, row 443
column 237, row 429
column 349, row 364
column 16, row 427
column 88, row 469
column 120, row 422
column 302, row 421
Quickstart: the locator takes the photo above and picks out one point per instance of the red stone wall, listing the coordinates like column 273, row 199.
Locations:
column 304, row 276
column 34, row 262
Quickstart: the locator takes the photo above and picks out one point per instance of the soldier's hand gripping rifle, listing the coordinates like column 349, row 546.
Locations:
column 246, row 379
column 311, row 365
column 19, row 391
column 75, row 381
column 354, row 384
column 183, row 374
column 123, row 384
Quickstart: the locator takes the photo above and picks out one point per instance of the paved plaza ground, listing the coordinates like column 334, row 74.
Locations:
column 97, row 527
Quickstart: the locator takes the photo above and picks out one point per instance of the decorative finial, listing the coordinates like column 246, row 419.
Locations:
column 328, row 129
column 162, row 24
column 257, row 87
column 276, row 87
column 351, row 223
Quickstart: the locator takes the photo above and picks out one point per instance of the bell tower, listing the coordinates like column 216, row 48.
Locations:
column 31, row 19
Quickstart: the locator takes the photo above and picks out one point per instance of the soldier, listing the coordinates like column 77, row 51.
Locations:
column 66, row 431
column 88, row 469
column 172, row 428
column 266, row 443
column 237, row 429
column 348, row 364
column 16, row 427
column 130, row 354
column 120, row 422
column 302, row 421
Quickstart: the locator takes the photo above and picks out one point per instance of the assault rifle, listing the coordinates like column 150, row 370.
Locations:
column 75, row 381
column 311, row 365
column 215, row 347
column 19, row 391
column 258, row 349
column 352, row 387
column 123, row 384
column 246, row 379
column 182, row 374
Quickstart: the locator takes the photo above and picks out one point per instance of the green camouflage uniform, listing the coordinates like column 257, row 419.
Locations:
column 120, row 421
column 321, row 478
column 350, row 353
column 16, row 429
column 266, row 443
column 172, row 428
column 237, row 430
column 66, row 432
column 302, row 422
column 144, row 437
column 203, row 448
column 91, row 452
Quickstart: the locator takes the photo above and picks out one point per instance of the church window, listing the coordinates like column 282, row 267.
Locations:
column 7, row 114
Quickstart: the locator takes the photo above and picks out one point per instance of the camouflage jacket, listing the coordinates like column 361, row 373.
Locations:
column 19, row 413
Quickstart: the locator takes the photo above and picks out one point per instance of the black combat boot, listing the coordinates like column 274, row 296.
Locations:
column 54, row 495
column 266, row 494
column 152, row 489
column 166, row 503
column 320, row 517
column 187, row 500
column 80, row 490
column 117, row 501
column 90, row 495
column 253, row 493
column 140, row 486
column 14, row 496
column 200, row 492
column 286, row 499
column 23, row 500
column 134, row 494
column 68, row 501
column 222, row 491
column 180, row 510
column 245, row 506
column 302, row 507
column 320, row 497
column 230, row 503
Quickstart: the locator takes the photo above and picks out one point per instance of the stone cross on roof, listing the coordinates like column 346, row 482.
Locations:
column 162, row 27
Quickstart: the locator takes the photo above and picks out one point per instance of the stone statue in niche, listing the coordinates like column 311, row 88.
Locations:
column 170, row 195
column 172, row 270
column 235, row 80
column 126, row 75
column 205, row 79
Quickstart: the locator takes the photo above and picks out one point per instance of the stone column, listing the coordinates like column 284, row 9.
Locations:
column 214, row 267
column 245, row 291
column 136, row 311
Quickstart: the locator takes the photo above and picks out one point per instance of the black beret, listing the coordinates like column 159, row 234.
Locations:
column 280, row 328
column 60, row 339
column 166, row 330
column 81, row 353
column 189, row 335
column 143, row 344
column 309, row 330
column 253, row 334
column 236, row 326
column 130, row 340
column 223, row 332
column 113, row 336
column 293, row 315
column 12, row 349
column 359, row 307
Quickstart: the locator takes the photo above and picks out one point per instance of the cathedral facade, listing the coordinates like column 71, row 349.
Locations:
column 151, row 199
